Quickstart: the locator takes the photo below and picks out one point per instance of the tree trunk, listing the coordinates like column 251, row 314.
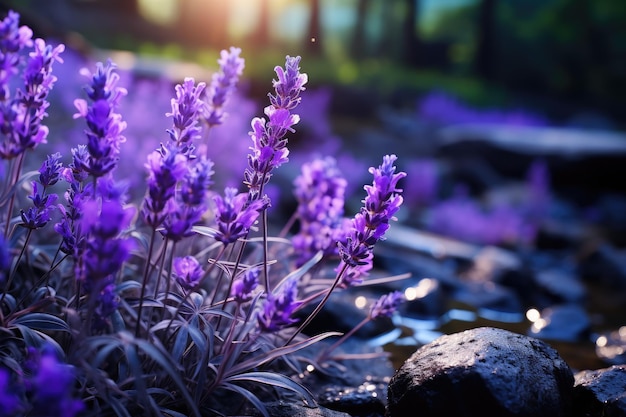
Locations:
column 314, row 34
column 484, row 59
column 411, row 41
column 359, row 41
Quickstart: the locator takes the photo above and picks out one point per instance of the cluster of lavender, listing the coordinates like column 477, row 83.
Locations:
column 183, row 267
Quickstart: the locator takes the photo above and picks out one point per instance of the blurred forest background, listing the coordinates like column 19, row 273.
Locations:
column 563, row 58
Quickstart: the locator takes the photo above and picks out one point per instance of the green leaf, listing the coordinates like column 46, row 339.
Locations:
column 180, row 343
column 275, row 353
column 204, row 231
column 258, row 404
column 276, row 380
column 41, row 321
column 165, row 361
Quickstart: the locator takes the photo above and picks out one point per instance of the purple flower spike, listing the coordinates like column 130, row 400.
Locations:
column 234, row 218
column 187, row 107
column 105, row 127
column 370, row 224
column 269, row 148
column 386, row 305
column 244, row 286
column 50, row 170
column 22, row 116
column 38, row 215
column 187, row 271
column 289, row 85
column 165, row 168
column 222, row 84
column 278, row 309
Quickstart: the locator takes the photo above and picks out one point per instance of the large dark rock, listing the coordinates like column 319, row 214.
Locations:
column 601, row 392
column 482, row 372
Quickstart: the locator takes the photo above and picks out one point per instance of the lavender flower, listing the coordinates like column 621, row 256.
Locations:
column 371, row 223
column 105, row 127
column 244, row 286
column 222, row 84
column 76, row 196
column 269, row 148
column 38, row 215
column 165, row 168
column 278, row 309
column 101, row 254
column 320, row 192
column 9, row 400
column 196, row 183
column 187, row 271
column 186, row 208
column 22, row 117
column 234, row 218
column 51, row 387
column 50, row 170
column 13, row 38
column 187, row 107
column 386, row 305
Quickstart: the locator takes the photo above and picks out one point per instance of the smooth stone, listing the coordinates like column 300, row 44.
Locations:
column 358, row 402
column 289, row 409
column 601, row 392
column 565, row 322
column 482, row 372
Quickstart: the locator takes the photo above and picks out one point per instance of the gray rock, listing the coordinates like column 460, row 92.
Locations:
column 601, row 392
column 288, row 409
column 481, row 372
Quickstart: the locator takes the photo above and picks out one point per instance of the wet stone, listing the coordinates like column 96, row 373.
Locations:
column 363, row 401
column 566, row 323
column 611, row 346
column 289, row 409
column 482, row 372
column 601, row 392
column 561, row 285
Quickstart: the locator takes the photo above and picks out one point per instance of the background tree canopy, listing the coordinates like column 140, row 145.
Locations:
column 562, row 56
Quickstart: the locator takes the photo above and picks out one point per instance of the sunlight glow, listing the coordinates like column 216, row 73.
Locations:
column 162, row 12
column 533, row 315
column 360, row 302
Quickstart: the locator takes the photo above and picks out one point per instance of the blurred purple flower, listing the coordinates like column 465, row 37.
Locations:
column 52, row 385
column 9, row 400
column 463, row 218
column 13, row 38
column 320, row 193
column 269, row 148
column 277, row 310
column 100, row 255
column 244, row 286
column 105, row 126
column 445, row 109
column 424, row 185
column 386, row 305
column 187, row 271
column 222, row 85
column 235, row 215
column 23, row 115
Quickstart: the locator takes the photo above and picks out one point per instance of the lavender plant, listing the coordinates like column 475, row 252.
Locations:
column 175, row 304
